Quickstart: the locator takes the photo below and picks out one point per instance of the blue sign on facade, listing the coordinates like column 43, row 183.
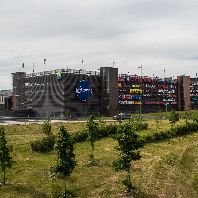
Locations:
column 83, row 90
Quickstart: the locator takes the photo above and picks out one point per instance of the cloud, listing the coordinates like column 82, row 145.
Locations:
column 155, row 33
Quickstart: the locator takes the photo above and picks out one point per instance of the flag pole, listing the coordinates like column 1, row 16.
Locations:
column 44, row 61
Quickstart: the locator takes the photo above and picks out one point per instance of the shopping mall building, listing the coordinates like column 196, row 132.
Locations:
column 76, row 93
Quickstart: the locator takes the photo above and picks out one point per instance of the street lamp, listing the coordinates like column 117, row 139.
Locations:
column 141, row 68
column 166, row 104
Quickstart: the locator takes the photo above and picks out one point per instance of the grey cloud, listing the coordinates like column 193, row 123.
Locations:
column 155, row 33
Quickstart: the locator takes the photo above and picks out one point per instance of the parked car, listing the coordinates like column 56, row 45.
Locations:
column 122, row 116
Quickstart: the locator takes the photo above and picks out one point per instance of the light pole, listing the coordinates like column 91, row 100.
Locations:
column 166, row 104
column 164, row 74
column 114, row 63
column 141, row 68
column 33, row 67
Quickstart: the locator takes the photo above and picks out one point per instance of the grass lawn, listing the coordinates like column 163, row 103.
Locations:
column 167, row 169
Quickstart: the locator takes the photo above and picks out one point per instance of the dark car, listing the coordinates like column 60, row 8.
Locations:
column 122, row 116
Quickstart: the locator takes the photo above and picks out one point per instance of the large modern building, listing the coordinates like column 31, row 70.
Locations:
column 80, row 93
column 66, row 92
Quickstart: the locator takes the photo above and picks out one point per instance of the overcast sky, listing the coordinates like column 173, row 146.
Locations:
column 158, row 34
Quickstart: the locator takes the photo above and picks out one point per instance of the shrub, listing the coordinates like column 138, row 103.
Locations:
column 173, row 132
column 79, row 136
column 47, row 128
column 44, row 145
column 102, row 132
column 174, row 117
column 106, row 131
column 141, row 126
column 195, row 119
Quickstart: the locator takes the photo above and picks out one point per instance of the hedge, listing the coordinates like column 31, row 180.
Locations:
column 44, row 145
column 173, row 132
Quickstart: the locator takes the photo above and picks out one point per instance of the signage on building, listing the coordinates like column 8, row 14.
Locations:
column 83, row 90
column 58, row 75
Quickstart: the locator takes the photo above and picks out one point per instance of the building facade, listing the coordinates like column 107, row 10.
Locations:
column 194, row 93
column 146, row 94
column 5, row 100
column 81, row 93
column 66, row 92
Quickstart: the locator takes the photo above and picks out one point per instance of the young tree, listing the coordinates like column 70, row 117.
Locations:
column 47, row 128
column 157, row 124
column 174, row 117
column 187, row 116
column 92, row 127
column 66, row 158
column 6, row 160
column 128, row 145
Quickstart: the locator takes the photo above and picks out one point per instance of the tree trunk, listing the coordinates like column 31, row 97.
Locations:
column 129, row 180
column 65, row 191
column 4, row 176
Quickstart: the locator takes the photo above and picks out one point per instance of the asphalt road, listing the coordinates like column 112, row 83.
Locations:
column 26, row 121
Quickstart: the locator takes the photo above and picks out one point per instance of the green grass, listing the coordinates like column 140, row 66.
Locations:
column 167, row 169
column 167, row 114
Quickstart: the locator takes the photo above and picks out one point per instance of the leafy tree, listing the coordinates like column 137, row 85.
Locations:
column 47, row 128
column 66, row 158
column 157, row 123
column 174, row 117
column 6, row 160
column 92, row 127
column 56, row 191
column 128, row 145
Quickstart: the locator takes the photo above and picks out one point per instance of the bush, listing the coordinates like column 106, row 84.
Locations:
column 44, row 145
column 141, row 126
column 47, row 128
column 106, row 131
column 47, row 143
column 102, row 132
column 174, row 117
column 173, row 132
column 80, row 136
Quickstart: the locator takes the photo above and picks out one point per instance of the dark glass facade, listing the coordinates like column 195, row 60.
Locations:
column 64, row 92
